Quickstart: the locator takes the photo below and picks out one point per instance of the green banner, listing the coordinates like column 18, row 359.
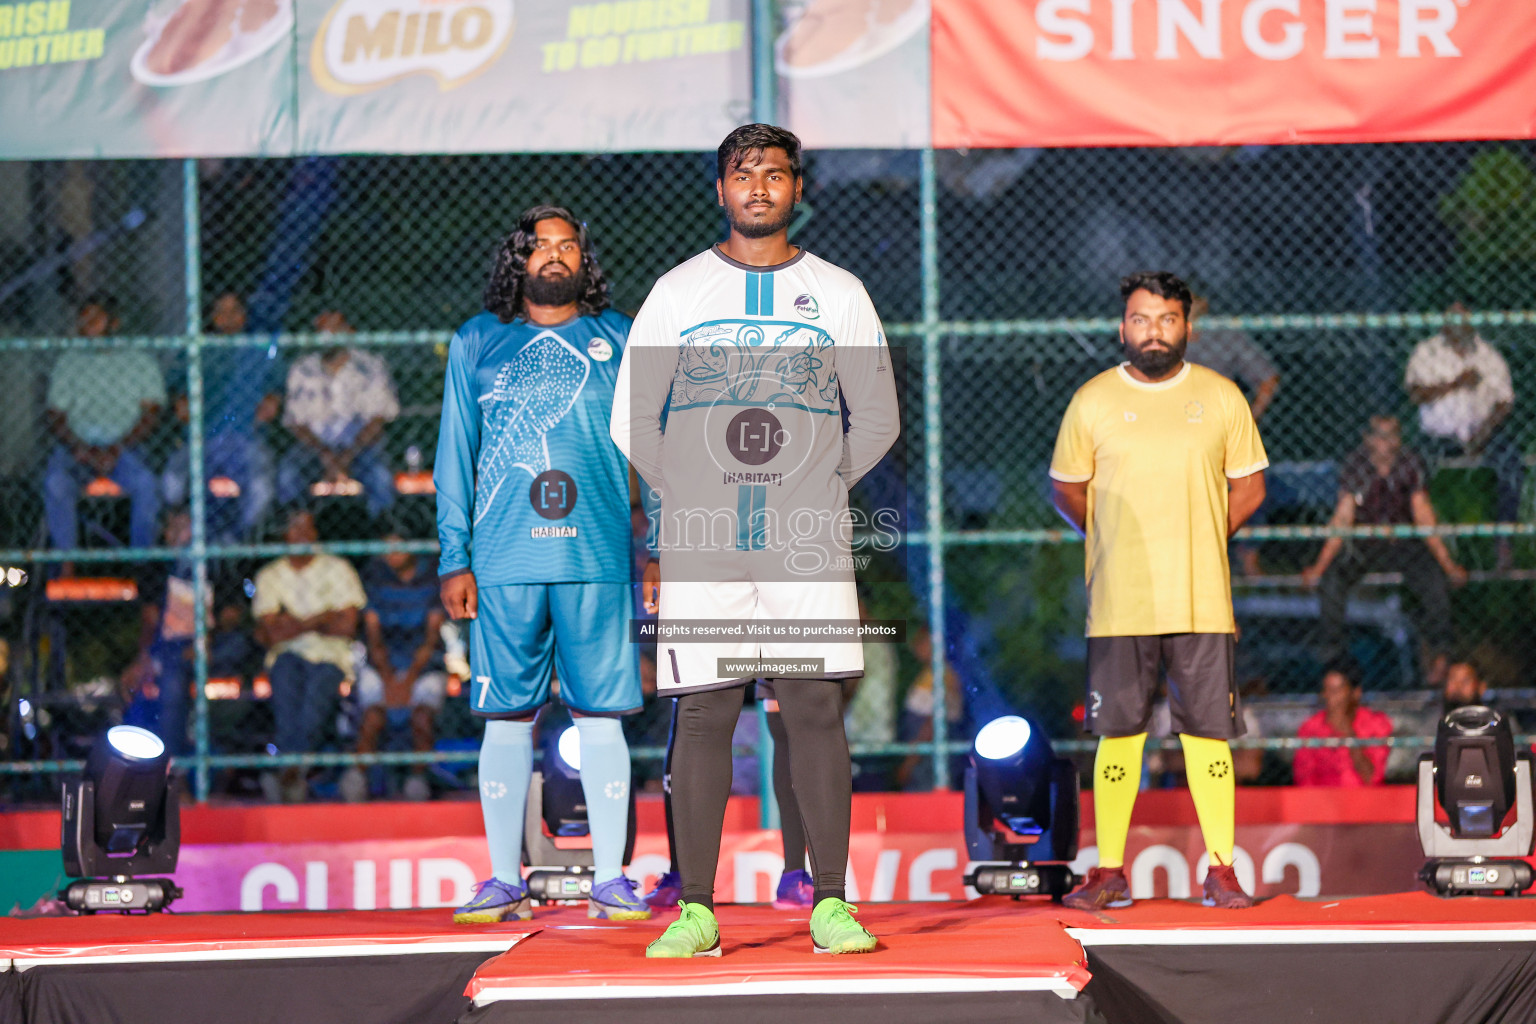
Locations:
column 109, row 78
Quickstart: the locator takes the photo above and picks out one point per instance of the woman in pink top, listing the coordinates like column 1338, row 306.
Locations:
column 1342, row 715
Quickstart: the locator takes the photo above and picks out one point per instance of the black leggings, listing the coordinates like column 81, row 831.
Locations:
column 791, row 829
column 822, row 776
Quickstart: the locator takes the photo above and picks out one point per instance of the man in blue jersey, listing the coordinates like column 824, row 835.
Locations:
column 533, row 518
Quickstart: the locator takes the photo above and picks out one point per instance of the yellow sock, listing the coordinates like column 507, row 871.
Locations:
column 1116, row 779
column 1208, row 765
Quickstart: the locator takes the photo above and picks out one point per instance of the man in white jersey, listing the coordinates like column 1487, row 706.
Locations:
column 754, row 348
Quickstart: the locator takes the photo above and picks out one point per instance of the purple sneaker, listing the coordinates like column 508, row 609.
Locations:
column 495, row 901
column 669, row 889
column 795, row 891
column 616, row 900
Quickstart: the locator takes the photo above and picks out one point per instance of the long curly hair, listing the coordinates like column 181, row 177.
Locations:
column 504, row 291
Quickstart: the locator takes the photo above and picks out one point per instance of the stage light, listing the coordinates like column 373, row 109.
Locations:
column 1477, row 777
column 564, row 802
column 558, row 855
column 1021, row 809
column 122, row 821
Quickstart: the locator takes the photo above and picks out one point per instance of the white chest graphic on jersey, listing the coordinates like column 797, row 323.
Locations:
column 749, row 363
column 532, row 393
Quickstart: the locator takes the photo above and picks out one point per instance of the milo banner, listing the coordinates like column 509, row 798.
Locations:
column 854, row 73
column 173, row 78
column 106, row 78
column 176, row 78
column 523, row 75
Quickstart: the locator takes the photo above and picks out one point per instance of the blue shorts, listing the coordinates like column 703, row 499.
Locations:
column 578, row 632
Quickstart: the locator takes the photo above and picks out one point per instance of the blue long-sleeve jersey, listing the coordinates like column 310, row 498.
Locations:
column 525, row 466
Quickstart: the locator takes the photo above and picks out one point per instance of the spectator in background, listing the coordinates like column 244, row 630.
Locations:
column 1342, row 716
column 404, row 682
column 101, row 404
column 240, row 399
column 337, row 404
column 869, row 715
column 1382, row 483
column 159, row 680
column 1236, row 356
column 1464, row 686
column 306, row 609
column 1462, row 387
column 916, row 771
column 162, row 668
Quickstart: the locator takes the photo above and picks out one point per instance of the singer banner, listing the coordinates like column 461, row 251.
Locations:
column 1230, row 72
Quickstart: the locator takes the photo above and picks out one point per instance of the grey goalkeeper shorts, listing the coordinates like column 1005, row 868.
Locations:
column 1202, row 684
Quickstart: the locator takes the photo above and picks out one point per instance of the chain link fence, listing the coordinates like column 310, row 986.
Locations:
column 1324, row 267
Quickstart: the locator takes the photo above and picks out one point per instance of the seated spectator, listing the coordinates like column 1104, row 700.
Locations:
column 1464, row 686
column 1382, row 483
column 337, row 404
column 1235, row 355
column 159, row 679
column 869, row 709
column 1342, row 715
column 1462, row 387
column 306, row 609
column 915, row 773
column 403, row 683
column 240, row 400
column 101, row 404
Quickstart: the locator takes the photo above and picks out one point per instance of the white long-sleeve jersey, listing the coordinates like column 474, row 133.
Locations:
column 752, row 368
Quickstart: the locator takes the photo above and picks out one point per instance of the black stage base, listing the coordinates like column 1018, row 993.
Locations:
column 1405, row 959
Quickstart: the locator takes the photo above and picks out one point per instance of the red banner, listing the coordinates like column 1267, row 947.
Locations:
column 1228, row 72
column 904, row 846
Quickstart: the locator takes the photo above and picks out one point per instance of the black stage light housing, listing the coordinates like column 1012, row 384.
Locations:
column 1475, row 770
column 1021, row 811
column 122, row 820
column 557, row 813
column 1477, row 777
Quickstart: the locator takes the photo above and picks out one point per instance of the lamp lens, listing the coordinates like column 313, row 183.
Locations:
column 1002, row 738
column 132, row 741
column 569, row 748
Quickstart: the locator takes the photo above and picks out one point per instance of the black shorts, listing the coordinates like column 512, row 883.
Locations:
column 1202, row 684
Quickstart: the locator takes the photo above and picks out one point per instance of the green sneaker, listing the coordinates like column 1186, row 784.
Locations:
column 833, row 929
column 694, row 933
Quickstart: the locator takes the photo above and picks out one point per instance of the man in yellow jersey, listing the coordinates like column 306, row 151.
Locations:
column 1157, row 464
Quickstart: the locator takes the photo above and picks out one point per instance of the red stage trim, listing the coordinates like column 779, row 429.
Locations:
column 153, row 938
column 214, row 824
column 1396, row 917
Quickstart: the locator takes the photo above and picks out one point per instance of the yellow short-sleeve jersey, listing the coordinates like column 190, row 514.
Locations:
column 1157, row 458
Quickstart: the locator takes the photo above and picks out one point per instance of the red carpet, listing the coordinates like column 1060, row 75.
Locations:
column 923, row 947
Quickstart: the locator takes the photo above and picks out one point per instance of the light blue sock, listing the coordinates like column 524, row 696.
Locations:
column 605, row 783
column 506, row 769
